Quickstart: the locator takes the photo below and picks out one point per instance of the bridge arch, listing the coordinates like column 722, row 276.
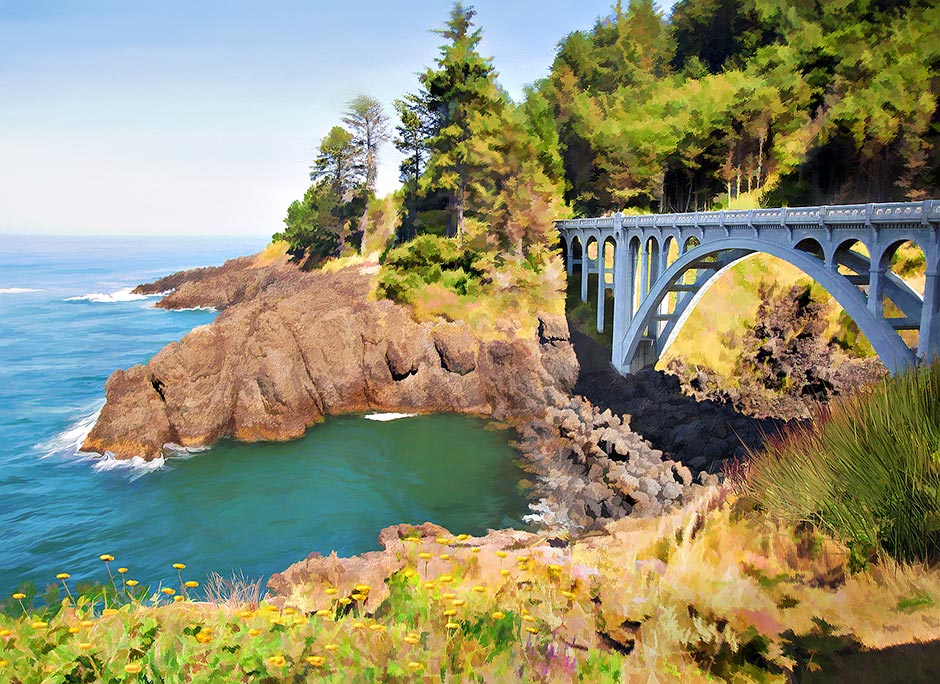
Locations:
column 892, row 349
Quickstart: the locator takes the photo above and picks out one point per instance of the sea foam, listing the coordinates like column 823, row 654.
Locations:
column 68, row 444
column 123, row 295
column 385, row 417
column 18, row 290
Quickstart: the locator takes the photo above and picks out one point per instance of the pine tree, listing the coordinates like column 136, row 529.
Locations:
column 459, row 90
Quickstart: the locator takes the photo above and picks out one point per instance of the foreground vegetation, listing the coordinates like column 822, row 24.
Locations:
column 716, row 592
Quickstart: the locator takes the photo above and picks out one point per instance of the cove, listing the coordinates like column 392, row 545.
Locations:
column 68, row 322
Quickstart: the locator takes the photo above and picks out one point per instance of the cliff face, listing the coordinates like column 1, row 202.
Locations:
column 289, row 348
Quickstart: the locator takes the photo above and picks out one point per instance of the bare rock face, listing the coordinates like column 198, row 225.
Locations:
column 290, row 347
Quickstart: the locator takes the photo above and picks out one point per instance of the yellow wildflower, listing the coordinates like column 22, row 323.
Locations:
column 277, row 661
column 133, row 668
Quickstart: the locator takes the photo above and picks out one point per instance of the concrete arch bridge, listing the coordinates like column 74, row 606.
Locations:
column 654, row 292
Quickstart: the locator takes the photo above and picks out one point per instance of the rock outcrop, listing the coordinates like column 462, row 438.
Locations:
column 291, row 347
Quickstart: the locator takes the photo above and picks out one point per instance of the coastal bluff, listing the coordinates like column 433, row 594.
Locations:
column 290, row 347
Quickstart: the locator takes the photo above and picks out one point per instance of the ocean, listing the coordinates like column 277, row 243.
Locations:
column 68, row 319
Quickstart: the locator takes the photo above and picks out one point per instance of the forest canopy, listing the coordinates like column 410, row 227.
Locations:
column 724, row 103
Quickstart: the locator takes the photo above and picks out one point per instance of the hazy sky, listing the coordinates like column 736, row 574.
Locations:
column 186, row 116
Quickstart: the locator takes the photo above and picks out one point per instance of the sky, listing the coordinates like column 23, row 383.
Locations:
column 203, row 116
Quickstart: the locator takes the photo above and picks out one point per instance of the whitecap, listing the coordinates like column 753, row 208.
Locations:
column 126, row 294
column 385, row 417
column 69, row 441
column 196, row 308
column 18, row 290
column 136, row 466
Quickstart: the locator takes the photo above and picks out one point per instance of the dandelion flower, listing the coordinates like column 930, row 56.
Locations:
column 528, row 618
column 359, row 625
column 169, row 591
column 133, row 668
column 323, row 612
column 204, row 637
column 445, row 556
column 504, row 572
column 86, row 645
column 362, row 588
column 132, row 583
column 567, row 594
column 415, row 666
column 74, row 630
column 4, row 633
column 501, row 554
column 87, row 623
column 447, row 596
column 122, row 570
column 554, row 568
column 331, row 647
column 254, row 632
column 463, row 537
column 316, row 661
column 532, row 630
column 479, row 588
column 475, row 549
column 345, row 601
column 498, row 615
column 450, row 612
column 106, row 557
column 445, row 578
column 330, row 591
column 179, row 566
column 109, row 611
column 377, row 628
column 277, row 661
column 62, row 576
column 178, row 598
column 246, row 613
column 424, row 555
column 452, row 625
column 38, row 624
column 290, row 611
column 192, row 584
column 19, row 596
column 4, row 663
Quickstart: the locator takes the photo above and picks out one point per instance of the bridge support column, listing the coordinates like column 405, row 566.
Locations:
column 585, row 271
column 601, row 289
column 569, row 260
column 929, row 344
column 876, row 291
column 624, row 270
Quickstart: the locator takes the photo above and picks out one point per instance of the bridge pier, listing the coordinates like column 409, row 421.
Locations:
column 929, row 343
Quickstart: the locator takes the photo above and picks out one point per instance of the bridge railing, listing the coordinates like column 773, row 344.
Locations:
column 924, row 212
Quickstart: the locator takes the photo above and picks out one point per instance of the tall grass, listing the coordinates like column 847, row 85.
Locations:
column 867, row 469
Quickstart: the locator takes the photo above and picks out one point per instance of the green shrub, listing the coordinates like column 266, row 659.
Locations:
column 867, row 468
column 425, row 260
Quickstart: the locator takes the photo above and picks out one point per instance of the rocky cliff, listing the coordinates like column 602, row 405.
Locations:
column 290, row 347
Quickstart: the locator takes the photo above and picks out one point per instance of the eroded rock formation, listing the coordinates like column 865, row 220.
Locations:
column 290, row 347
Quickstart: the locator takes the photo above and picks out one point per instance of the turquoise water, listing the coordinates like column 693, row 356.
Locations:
column 67, row 321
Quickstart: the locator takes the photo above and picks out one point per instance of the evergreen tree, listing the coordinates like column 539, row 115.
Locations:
column 461, row 89
column 339, row 162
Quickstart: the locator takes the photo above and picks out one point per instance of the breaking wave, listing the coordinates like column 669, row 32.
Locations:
column 18, row 290
column 123, row 295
